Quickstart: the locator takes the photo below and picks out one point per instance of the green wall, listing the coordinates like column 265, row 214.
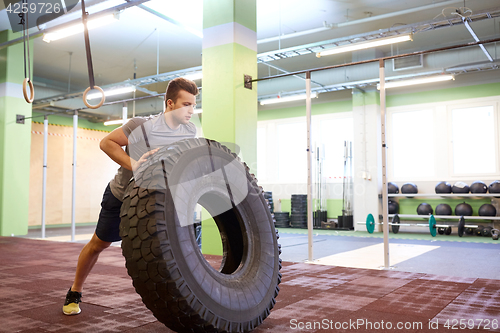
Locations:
column 300, row 111
column 442, row 95
column 15, row 140
column 432, row 96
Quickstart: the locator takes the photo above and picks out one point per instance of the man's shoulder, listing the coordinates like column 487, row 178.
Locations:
column 190, row 127
column 135, row 122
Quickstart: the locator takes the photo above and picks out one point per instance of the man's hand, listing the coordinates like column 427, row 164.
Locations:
column 144, row 158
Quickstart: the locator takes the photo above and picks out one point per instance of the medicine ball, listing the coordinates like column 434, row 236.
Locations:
column 409, row 188
column 460, row 187
column 424, row 209
column 444, row 209
column 478, row 187
column 495, row 187
column 392, row 188
column 463, row 209
column 443, row 187
column 393, row 207
column 487, row 210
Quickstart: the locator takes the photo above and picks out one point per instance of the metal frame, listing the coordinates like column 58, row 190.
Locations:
column 415, row 28
column 383, row 115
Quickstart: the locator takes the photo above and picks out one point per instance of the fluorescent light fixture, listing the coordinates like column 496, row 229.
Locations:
column 193, row 76
column 366, row 44
column 78, row 28
column 286, row 98
column 115, row 122
column 112, row 92
column 196, row 111
column 430, row 79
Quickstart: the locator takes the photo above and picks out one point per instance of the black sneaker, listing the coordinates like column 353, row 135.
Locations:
column 71, row 306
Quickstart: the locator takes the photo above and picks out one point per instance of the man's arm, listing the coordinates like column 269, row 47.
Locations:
column 112, row 145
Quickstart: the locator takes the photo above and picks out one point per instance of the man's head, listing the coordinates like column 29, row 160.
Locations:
column 180, row 99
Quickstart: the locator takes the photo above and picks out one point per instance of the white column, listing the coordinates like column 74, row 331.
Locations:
column 44, row 177
column 385, row 199
column 309, row 168
column 73, row 202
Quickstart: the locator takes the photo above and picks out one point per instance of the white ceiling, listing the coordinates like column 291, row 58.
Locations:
column 135, row 37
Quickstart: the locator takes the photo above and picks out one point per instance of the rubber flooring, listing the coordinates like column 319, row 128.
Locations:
column 35, row 275
column 415, row 253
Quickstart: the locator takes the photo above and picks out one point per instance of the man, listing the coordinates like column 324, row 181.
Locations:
column 160, row 130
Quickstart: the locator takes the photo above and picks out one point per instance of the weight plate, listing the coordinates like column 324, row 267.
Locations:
column 395, row 220
column 447, row 231
column 441, row 231
column 461, row 226
column 495, row 234
column 432, row 226
column 370, row 223
column 469, row 231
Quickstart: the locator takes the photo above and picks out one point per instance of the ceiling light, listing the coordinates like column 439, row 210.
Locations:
column 112, row 92
column 286, row 98
column 115, row 122
column 78, row 28
column 193, row 76
column 430, row 79
column 366, row 44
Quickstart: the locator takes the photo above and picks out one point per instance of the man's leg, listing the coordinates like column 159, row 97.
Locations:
column 107, row 231
column 86, row 261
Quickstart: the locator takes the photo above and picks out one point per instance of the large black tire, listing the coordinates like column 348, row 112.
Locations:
column 167, row 268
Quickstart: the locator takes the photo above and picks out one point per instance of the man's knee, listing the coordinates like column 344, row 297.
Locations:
column 98, row 245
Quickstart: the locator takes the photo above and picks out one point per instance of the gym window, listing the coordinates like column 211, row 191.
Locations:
column 291, row 144
column 413, row 144
column 281, row 147
column 473, row 136
column 330, row 136
column 261, row 153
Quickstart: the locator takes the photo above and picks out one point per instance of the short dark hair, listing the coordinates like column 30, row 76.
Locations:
column 178, row 84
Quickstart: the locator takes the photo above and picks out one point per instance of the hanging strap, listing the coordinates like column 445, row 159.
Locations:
column 27, row 59
column 87, row 46
column 89, row 63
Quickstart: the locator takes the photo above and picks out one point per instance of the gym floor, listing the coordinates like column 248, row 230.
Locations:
column 468, row 256
column 433, row 284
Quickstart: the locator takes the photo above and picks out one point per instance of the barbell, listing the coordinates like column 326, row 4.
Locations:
column 432, row 225
column 395, row 224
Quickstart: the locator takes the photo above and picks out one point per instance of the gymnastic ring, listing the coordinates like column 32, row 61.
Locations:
column 93, row 106
column 25, row 92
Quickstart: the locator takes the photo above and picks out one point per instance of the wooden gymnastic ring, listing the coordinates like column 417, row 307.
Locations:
column 25, row 92
column 94, row 106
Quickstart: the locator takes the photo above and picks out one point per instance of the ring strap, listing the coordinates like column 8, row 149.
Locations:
column 87, row 46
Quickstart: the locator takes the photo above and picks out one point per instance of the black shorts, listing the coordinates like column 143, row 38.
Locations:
column 108, row 225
